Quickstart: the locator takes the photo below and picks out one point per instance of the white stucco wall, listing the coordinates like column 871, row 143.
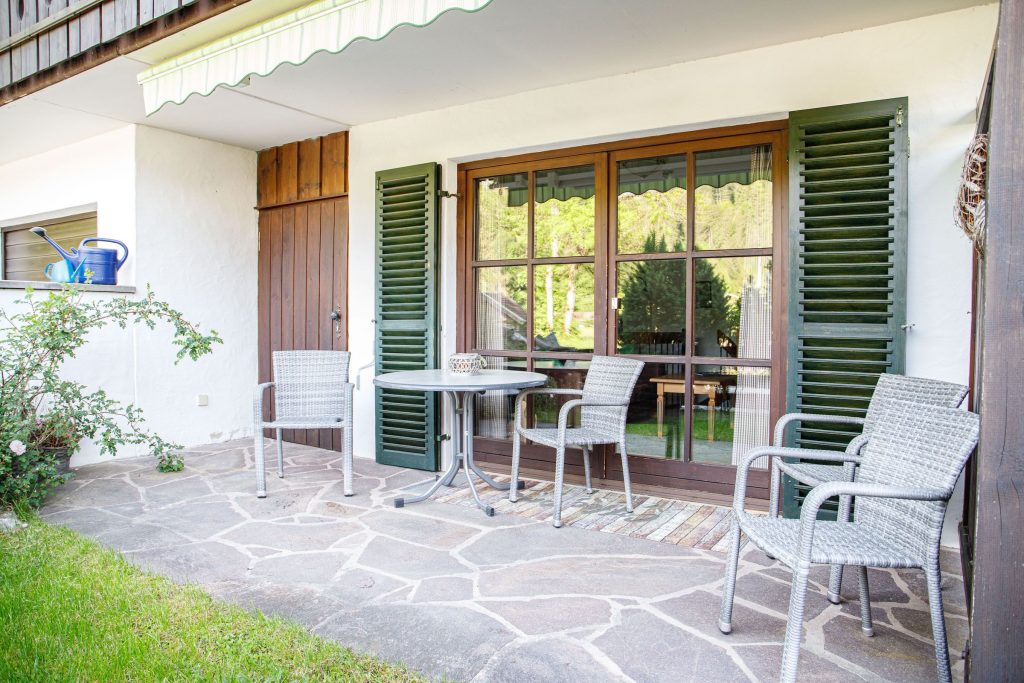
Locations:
column 938, row 62
column 191, row 230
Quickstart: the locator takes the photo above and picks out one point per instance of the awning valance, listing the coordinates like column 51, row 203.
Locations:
column 292, row 38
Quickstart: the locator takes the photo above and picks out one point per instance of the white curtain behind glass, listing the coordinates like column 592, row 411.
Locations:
column 753, row 385
column 492, row 411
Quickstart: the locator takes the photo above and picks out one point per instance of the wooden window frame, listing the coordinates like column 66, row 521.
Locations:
column 604, row 156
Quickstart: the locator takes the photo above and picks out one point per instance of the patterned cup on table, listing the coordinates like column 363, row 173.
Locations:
column 466, row 363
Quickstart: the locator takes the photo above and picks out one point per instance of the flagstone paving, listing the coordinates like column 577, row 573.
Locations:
column 458, row 595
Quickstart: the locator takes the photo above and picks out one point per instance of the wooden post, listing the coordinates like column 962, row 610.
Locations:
column 997, row 609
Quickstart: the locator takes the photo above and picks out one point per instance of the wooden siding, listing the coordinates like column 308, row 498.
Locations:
column 303, row 257
column 303, row 171
column 45, row 41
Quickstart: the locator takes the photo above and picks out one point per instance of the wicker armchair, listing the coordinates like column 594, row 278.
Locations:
column 603, row 402
column 929, row 392
column 311, row 391
column 906, row 476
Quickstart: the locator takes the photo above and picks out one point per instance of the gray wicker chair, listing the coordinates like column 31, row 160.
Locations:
column 890, row 387
column 906, row 476
column 311, row 391
column 603, row 402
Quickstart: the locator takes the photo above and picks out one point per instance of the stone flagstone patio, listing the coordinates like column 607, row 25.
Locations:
column 454, row 594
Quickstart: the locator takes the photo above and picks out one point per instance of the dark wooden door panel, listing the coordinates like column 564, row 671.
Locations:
column 302, row 279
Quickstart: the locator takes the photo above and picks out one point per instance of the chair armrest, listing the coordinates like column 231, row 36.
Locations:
column 743, row 469
column 817, row 496
column 569, row 406
column 521, row 399
column 257, row 402
column 790, row 418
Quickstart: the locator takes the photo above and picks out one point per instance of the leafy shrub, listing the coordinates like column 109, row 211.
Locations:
column 40, row 409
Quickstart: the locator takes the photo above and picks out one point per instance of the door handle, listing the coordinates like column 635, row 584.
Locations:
column 336, row 317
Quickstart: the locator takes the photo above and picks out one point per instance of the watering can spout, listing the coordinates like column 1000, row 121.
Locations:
column 41, row 232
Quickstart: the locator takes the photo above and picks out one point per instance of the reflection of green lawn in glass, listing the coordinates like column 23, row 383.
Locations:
column 642, row 438
column 546, row 415
column 723, row 427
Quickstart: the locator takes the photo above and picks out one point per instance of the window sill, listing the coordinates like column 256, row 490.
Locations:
column 24, row 284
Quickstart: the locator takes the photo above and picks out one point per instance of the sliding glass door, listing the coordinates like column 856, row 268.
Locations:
column 666, row 253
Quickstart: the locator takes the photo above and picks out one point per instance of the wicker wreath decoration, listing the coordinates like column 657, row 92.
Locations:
column 969, row 213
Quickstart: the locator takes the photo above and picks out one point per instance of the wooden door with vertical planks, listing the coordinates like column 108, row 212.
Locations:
column 303, row 257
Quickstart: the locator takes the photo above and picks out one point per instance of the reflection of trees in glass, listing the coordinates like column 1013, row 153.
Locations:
column 653, row 306
column 654, row 214
column 734, row 216
column 501, row 227
column 653, row 300
column 564, row 227
column 564, row 301
column 501, row 307
column 564, row 306
column 717, row 309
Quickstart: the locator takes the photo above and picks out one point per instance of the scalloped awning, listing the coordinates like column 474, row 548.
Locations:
column 291, row 38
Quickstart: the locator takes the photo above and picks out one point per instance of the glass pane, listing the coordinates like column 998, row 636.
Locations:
column 495, row 410
column 563, row 307
column 652, row 205
column 501, row 308
column 733, row 307
column 651, row 318
column 566, row 374
column 731, row 410
column 654, row 422
column 733, row 199
column 501, row 217
column 563, row 217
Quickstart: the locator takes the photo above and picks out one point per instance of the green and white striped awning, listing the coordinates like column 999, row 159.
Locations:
column 292, row 38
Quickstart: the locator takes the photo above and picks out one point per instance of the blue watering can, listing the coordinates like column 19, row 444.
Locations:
column 103, row 263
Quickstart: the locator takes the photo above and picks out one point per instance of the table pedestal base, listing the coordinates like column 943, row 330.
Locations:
column 461, row 411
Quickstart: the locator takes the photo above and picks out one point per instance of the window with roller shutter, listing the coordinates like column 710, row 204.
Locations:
column 406, row 311
column 848, row 239
column 24, row 256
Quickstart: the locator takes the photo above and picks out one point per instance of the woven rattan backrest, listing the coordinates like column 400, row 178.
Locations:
column 914, row 446
column 610, row 379
column 310, row 383
column 931, row 392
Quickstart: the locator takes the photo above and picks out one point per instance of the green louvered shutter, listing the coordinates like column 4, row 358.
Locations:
column 407, row 226
column 848, row 244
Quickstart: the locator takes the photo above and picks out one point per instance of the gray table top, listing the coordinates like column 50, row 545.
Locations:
column 442, row 380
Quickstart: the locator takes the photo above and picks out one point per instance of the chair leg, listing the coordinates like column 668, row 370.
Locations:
column 559, row 477
column 280, row 455
column 795, row 623
column 865, row 603
column 835, row 582
column 934, row 580
column 586, row 468
column 625, row 476
column 729, row 588
column 346, row 459
column 835, row 577
column 516, row 445
column 261, row 466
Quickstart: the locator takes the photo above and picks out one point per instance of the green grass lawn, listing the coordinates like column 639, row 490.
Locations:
column 73, row 611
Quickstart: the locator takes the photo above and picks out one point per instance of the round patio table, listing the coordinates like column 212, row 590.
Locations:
column 460, row 390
